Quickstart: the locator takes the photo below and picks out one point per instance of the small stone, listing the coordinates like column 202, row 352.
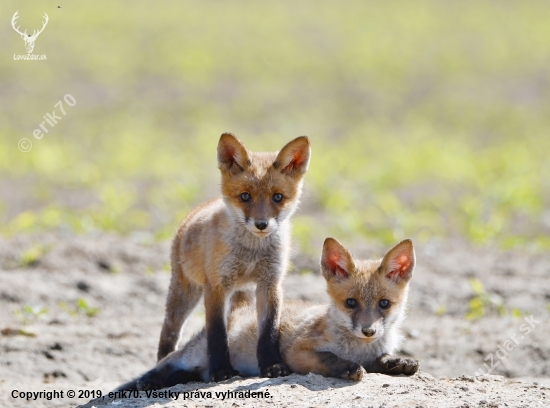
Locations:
column 83, row 286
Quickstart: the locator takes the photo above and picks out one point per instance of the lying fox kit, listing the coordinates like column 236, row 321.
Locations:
column 240, row 239
column 358, row 330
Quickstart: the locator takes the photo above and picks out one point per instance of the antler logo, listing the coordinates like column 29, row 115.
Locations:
column 28, row 38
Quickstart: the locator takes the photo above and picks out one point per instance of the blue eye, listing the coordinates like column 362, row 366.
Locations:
column 351, row 303
column 277, row 197
column 245, row 197
column 384, row 303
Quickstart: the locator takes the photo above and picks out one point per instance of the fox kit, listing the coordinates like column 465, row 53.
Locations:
column 229, row 243
column 358, row 330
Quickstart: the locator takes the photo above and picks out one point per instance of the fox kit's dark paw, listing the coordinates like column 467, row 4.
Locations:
column 353, row 372
column 224, row 374
column 276, row 370
column 394, row 365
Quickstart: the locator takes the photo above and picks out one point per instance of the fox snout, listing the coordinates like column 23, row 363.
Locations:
column 372, row 331
column 261, row 227
column 260, row 215
column 369, row 332
column 369, row 325
column 261, row 224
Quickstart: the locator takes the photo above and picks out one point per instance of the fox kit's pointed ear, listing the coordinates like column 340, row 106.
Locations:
column 232, row 155
column 336, row 261
column 398, row 263
column 293, row 159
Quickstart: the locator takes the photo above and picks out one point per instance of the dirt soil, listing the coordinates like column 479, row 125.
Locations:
column 84, row 313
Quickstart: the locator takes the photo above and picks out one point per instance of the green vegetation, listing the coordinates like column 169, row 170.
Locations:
column 427, row 119
column 31, row 256
column 28, row 314
column 441, row 310
column 485, row 303
column 81, row 307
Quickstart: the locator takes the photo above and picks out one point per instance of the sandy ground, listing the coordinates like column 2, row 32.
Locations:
column 376, row 390
column 49, row 343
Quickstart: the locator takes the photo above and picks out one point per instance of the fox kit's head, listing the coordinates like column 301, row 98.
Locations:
column 368, row 296
column 262, row 190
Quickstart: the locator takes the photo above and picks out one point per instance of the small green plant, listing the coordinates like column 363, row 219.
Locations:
column 441, row 310
column 484, row 302
column 66, row 308
column 28, row 314
column 31, row 256
column 115, row 268
column 81, row 307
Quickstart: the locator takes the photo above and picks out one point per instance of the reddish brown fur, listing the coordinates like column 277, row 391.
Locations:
column 321, row 339
column 370, row 282
column 218, row 249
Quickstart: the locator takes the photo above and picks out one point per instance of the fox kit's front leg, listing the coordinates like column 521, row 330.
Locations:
column 268, row 305
column 216, row 334
column 303, row 359
column 338, row 367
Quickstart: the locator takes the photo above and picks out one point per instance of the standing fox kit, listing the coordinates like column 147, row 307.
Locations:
column 228, row 243
column 360, row 328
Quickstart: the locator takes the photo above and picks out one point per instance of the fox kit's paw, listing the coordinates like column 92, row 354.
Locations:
column 353, row 372
column 395, row 365
column 276, row 370
column 223, row 374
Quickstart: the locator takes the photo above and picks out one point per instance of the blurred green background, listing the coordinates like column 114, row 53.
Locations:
column 427, row 119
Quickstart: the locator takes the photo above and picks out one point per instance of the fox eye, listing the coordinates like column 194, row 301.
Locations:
column 245, row 197
column 277, row 197
column 384, row 303
column 351, row 303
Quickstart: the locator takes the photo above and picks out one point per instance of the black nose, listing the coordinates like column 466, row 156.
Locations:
column 261, row 224
column 369, row 332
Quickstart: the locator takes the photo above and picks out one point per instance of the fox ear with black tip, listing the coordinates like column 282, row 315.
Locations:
column 398, row 263
column 336, row 260
column 232, row 155
column 293, row 159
